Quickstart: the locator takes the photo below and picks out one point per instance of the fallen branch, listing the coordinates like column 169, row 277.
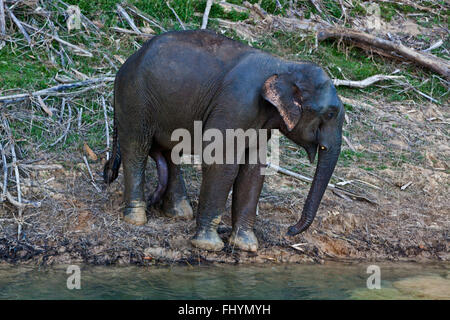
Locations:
column 355, row 103
column 54, row 91
column 126, row 31
column 90, row 174
column 5, row 173
column 105, row 114
column 331, row 186
column 41, row 167
column 23, row 204
column 19, row 25
column 434, row 46
column 2, row 19
column 176, row 15
column 76, row 49
column 130, row 21
column 426, row 60
column 44, row 106
column 135, row 11
column 67, row 128
column 366, row 82
column 206, row 14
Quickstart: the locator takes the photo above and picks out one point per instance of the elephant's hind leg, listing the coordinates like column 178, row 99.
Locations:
column 135, row 150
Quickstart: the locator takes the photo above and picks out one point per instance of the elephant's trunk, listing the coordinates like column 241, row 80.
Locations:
column 325, row 167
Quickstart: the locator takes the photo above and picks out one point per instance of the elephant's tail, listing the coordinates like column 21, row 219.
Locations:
column 111, row 168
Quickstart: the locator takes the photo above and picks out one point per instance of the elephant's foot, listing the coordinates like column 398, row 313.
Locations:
column 207, row 239
column 135, row 213
column 180, row 209
column 244, row 240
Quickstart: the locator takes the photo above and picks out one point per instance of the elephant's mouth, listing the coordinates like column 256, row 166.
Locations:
column 311, row 150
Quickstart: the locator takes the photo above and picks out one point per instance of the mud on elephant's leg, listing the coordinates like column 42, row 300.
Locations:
column 175, row 203
column 246, row 191
column 216, row 185
column 134, row 161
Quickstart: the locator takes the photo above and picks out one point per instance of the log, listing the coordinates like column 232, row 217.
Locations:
column 423, row 59
column 366, row 82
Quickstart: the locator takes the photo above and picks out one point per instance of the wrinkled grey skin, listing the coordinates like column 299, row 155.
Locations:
column 179, row 77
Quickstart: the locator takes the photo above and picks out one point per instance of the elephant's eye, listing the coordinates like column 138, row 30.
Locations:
column 330, row 115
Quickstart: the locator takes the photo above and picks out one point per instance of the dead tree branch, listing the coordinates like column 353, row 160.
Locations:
column 130, row 21
column 19, row 25
column 176, row 15
column 2, row 19
column 366, row 82
column 206, row 14
column 78, row 50
column 426, row 60
column 56, row 90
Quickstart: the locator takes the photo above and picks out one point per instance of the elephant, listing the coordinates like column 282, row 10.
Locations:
column 179, row 77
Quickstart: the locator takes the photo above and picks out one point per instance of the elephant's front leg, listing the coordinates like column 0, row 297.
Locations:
column 216, row 185
column 246, row 190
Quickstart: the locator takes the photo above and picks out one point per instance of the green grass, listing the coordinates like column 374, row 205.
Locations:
column 18, row 70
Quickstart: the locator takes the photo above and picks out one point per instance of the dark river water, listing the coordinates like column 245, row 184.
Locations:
column 328, row 281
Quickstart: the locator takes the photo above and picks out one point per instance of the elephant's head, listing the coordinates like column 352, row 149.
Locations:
column 312, row 116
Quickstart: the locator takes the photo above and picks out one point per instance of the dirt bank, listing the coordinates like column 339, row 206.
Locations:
column 76, row 223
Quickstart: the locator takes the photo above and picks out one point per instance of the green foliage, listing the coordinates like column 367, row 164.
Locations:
column 22, row 70
column 389, row 10
column 333, row 8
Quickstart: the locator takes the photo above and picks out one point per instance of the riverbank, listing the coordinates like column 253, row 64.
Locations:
column 78, row 224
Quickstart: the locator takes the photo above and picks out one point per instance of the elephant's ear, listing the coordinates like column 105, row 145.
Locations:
column 278, row 90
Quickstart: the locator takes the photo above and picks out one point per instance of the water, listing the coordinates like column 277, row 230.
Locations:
column 328, row 281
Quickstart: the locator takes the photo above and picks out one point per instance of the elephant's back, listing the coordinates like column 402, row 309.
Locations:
column 186, row 61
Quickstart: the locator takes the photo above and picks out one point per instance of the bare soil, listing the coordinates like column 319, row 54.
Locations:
column 400, row 144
